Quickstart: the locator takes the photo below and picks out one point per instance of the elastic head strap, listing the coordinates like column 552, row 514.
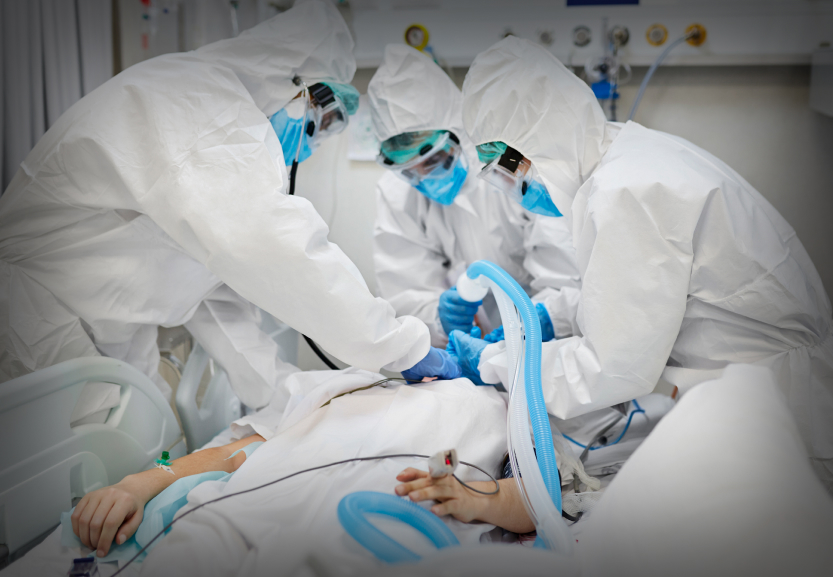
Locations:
column 322, row 94
column 510, row 159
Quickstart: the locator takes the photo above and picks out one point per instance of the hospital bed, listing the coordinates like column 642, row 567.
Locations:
column 721, row 487
column 46, row 465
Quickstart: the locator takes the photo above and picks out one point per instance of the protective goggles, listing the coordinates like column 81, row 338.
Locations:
column 327, row 116
column 432, row 160
column 511, row 173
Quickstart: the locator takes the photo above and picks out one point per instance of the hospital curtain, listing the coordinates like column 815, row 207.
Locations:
column 52, row 52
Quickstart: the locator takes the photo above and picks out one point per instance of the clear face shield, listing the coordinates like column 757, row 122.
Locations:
column 511, row 173
column 434, row 160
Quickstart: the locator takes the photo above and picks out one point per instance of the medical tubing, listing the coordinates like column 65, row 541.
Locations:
column 532, row 371
column 270, row 483
column 319, row 352
column 619, row 438
column 651, row 71
column 544, row 513
column 352, row 514
column 292, row 172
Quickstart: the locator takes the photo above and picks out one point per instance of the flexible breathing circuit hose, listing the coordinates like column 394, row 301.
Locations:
column 543, row 501
column 352, row 512
column 532, row 371
column 535, row 468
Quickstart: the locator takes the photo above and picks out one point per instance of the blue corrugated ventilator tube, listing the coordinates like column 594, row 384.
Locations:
column 536, row 465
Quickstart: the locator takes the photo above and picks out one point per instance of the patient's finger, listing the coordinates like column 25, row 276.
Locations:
column 406, row 488
column 76, row 514
column 112, row 522
column 410, row 474
column 97, row 521
column 85, row 518
column 435, row 492
column 446, row 507
column 133, row 521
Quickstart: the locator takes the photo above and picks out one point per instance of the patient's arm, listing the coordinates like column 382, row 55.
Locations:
column 504, row 509
column 117, row 509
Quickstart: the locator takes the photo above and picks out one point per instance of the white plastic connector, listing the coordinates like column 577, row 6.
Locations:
column 443, row 463
column 470, row 289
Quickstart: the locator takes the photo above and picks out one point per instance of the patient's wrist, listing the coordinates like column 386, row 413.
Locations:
column 145, row 485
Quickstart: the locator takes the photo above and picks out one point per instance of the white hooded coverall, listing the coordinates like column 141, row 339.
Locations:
column 160, row 199
column 685, row 267
column 421, row 247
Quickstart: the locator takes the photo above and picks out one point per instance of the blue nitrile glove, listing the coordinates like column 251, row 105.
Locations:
column 456, row 314
column 437, row 363
column 547, row 332
column 467, row 349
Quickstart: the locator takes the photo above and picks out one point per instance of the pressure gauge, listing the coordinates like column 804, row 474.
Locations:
column 416, row 36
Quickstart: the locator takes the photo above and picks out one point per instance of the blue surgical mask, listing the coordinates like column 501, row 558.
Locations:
column 536, row 199
column 288, row 131
column 443, row 185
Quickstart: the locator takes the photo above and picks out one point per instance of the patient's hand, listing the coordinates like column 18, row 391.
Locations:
column 454, row 499
column 114, row 511
column 504, row 509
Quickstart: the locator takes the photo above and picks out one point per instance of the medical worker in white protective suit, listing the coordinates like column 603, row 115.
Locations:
column 161, row 199
column 685, row 267
column 435, row 217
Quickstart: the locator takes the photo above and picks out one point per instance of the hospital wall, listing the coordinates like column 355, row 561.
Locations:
column 755, row 118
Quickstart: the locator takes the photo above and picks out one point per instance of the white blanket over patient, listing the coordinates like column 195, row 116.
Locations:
column 277, row 529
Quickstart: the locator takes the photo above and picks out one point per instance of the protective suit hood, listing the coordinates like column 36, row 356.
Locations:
column 268, row 56
column 409, row 92
column 518, row 93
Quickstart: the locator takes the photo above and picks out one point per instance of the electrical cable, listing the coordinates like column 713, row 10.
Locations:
column 370, row 386
column 292, row 172
column 654, row 67
column 320, row 353
column 264, row 485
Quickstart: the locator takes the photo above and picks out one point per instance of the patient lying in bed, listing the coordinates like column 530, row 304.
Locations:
column 330, row 416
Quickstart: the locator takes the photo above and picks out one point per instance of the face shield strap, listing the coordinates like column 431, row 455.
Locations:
column 322, row 94
column 510, row 159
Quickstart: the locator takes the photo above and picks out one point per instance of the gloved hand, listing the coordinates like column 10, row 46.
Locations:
column 437, row 363
column 547, row 331
column 467, row 349
column 456, row 314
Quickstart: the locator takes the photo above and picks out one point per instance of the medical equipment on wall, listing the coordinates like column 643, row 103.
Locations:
column 606, row 73
column 417, row 36
column 694, row 35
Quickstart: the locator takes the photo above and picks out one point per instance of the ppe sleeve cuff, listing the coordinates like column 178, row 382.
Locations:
column 492, row 364
column 561, row 306
column 420, row 347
